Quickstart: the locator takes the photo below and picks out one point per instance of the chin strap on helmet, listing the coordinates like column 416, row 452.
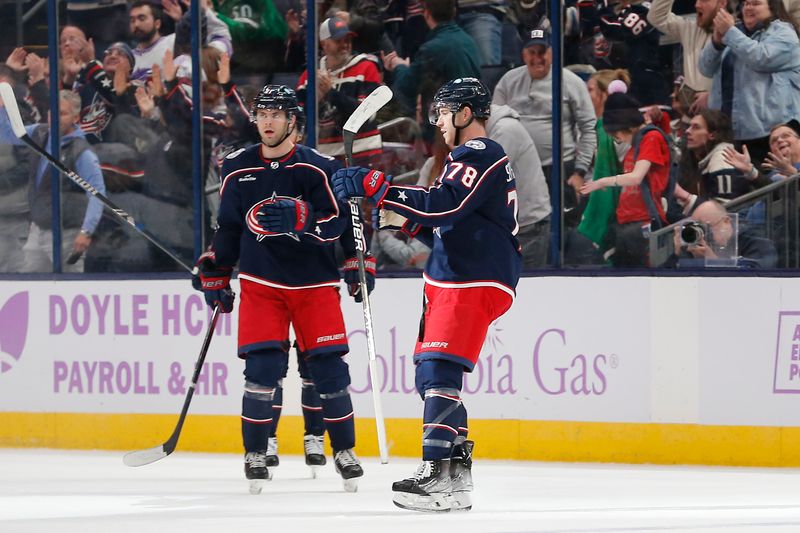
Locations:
column 286, row 133
column 459, row 128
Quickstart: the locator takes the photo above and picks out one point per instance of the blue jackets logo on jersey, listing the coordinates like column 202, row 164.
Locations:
column 252, row 221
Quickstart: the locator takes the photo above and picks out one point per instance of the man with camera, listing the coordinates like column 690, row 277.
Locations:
column 710, row 235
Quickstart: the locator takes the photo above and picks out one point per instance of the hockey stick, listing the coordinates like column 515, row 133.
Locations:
column 151, row 455
column 366, row 109
column 10, row 102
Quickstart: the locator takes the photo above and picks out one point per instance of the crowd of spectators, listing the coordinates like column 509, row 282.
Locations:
column 715, row 111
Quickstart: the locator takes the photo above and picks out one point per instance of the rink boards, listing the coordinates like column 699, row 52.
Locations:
column 642, row 370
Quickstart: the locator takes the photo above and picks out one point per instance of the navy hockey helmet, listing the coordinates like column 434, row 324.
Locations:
column 459, row 93
column 276, row 97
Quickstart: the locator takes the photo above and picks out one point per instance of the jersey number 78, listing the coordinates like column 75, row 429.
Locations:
column 468, row 174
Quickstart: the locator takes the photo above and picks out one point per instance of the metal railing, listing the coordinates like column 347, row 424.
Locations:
column 770, row 212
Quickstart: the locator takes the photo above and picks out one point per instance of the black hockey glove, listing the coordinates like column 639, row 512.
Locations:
column 351, row 276
column 214, row 281
column 286, row 215
column 360, row 182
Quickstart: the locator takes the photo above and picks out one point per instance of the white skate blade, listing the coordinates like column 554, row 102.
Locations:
column 314, row 471
column 432, row 503
column 256, row 485
column 350, row 485
column 460, row 501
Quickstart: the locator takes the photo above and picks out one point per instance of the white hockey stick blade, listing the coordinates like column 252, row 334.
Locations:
column 371, row 104
column 144, row 457
column 10, row 102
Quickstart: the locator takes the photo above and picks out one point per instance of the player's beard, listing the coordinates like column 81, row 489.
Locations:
column 278, row 137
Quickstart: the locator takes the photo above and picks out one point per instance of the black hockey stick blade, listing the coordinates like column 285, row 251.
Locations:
column 156, row 453
column 10, row 103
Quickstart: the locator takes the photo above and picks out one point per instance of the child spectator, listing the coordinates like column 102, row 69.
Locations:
column 602, row 205
column 622, row 119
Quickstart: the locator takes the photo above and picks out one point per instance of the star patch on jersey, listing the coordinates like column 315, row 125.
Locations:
column 402, row 196
column 475, row 145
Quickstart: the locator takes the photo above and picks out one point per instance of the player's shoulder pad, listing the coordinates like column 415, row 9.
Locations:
column 235, row 153
column 310, row 155
column 480, row 149
column 244, row 153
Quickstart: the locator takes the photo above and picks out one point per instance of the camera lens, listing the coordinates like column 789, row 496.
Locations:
column 691, row 233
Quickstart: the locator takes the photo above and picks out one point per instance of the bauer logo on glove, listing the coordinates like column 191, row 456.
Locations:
column 214, row 280
column 360, row 182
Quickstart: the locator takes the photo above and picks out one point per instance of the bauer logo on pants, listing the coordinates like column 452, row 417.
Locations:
column 13, row 330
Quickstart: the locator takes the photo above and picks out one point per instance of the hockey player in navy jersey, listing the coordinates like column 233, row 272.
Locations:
column 468, row 218
column 313, row 423
column 278, row 217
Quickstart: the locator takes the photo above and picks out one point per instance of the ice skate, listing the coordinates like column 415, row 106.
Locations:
column 313, row 446
column 272, row 452
column 349, row 467
column 461, row 476
column 255, row 470
column 428, row 490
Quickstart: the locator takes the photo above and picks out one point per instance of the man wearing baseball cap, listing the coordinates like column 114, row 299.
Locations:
column 343, row 81
column 527, row 90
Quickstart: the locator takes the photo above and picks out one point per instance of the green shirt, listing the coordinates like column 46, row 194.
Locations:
column 602, row 207
column 447, row 53
column 251, row 20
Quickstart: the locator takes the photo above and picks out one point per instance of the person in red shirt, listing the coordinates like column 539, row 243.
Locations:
column 622, row 119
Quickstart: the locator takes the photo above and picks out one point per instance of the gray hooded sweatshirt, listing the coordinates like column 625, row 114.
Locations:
column 505, row 128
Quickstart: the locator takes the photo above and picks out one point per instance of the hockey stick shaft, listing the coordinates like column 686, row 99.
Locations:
column 358, row 234
column 151, row 455
column 10, row 102
column 366, row 109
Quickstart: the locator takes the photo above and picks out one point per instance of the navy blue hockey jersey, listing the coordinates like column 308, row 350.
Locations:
column 278, row 259
column 470, row 218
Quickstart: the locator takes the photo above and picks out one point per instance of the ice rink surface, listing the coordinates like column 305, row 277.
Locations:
column 66, row 491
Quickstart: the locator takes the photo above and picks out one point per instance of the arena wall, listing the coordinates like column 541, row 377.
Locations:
column 634, row 370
